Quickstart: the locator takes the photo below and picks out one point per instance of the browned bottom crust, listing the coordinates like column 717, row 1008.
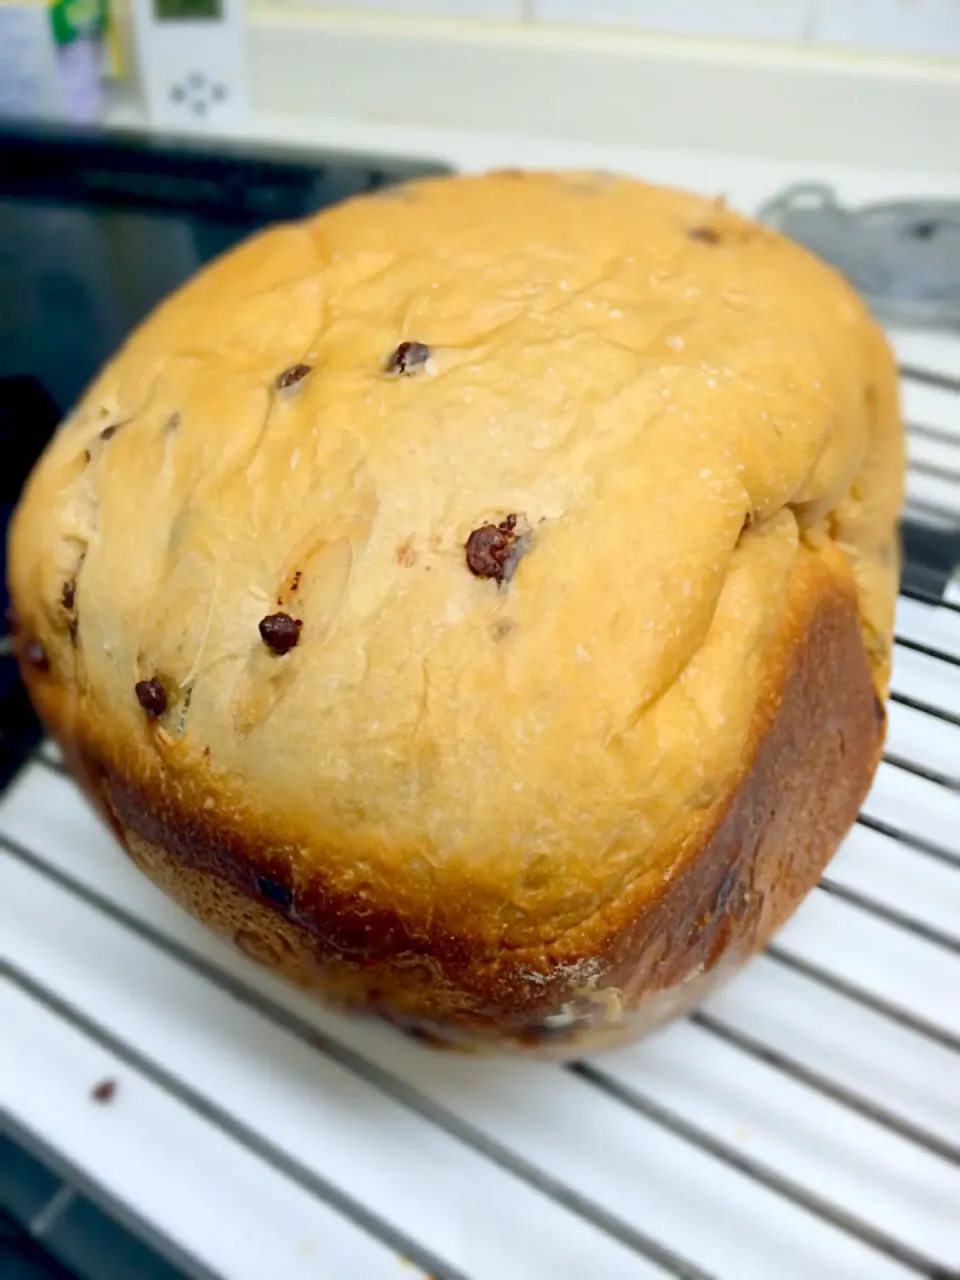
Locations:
column 640, row 960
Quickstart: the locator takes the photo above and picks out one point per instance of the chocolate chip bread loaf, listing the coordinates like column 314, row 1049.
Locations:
column 476, row 601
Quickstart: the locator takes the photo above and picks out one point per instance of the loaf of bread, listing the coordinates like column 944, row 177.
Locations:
column 476, row 601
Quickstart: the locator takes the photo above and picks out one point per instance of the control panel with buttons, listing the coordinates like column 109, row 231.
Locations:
column 192, row 60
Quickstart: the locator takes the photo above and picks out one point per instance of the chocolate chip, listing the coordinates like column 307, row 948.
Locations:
column 104, row 1092
column 409, row 358
column 706, row 235
column 290, row 377
column 35, row 655
column 489, row 549
column 172, row 424
column 152, row 697
column 69, row 593
column 280, row 632
column 295, row 584
column 274, row 892
column 109, row 432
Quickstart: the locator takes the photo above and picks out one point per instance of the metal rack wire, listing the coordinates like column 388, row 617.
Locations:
column 805, row 1122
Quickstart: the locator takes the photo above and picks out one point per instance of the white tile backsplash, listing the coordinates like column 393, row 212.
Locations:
column 503, row 9
column 768, row 19
column 899, row 26
column 895, row 26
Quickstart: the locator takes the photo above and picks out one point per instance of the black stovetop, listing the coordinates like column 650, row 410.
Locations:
column 95, row 228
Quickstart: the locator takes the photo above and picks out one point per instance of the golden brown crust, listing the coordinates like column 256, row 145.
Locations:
column 462, row 601
column 647, row 955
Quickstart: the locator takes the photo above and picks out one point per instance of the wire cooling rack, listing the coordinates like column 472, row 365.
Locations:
column 805, row 1123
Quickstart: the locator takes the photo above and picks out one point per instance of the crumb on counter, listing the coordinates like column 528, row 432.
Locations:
column 104, row 1092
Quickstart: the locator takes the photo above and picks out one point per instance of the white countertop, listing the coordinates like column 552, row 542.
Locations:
column 745, row 181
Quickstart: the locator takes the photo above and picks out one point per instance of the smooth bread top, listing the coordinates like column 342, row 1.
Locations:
column 445, row 536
